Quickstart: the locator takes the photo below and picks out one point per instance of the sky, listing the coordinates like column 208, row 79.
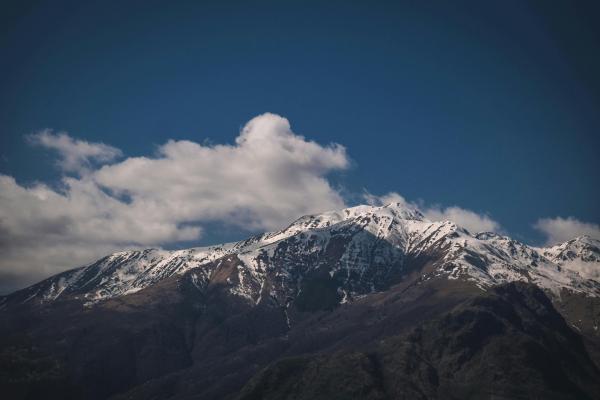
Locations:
column 137, row 124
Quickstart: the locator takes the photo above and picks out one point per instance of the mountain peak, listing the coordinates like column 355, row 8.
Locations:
column 404, row 211
column 362, row 248
column 395, row 210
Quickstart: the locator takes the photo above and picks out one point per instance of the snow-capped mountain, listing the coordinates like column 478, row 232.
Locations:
column 359, row 250
column 427, row 302
column 581, row 255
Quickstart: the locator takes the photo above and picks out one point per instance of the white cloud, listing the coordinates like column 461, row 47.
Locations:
column 557, row 230
column 472, row 221
column 45, row 231
column 267, row 178
column 75, row 155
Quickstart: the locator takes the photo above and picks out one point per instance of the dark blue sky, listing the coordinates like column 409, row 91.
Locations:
column 493, row 107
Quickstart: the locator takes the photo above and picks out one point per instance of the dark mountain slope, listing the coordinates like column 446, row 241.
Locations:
column 174, row 341
column 507, row 344
column 227, row 354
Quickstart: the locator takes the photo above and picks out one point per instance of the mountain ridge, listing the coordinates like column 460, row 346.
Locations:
column 485, row 258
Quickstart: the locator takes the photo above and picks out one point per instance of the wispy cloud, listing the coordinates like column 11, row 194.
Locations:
column 74, row 155
column 557, row 230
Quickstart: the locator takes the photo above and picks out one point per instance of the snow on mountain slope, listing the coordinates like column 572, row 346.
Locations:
column 581, row 255
column 490, row 259
column 372, row 246
column 362, row 249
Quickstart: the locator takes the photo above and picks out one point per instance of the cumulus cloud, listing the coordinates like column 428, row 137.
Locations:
column 74, row 155
column 267, row 178
column 557, row 230
column 470, row 220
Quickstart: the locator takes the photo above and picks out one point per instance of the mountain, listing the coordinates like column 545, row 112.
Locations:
column 263, row 317
column 363, row 248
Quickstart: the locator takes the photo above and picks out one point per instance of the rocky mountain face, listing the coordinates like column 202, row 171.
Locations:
column 509, row 343
column 366, row 302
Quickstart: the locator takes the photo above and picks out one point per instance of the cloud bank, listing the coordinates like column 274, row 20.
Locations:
column 472, row 221
column 557, row 230
column 267, row 178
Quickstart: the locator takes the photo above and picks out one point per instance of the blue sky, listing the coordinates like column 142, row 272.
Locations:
column 490, row 107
